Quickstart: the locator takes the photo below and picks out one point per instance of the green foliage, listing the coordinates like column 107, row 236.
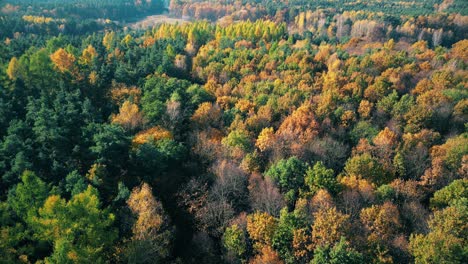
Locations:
column 365, row 130
column 234, row 240
column 446, row 241
column 288, row 173
column 79, row 229
column 386, row 192
column 451, row 194
column 238, row 138
column 75, row 183
column 28, row 196
column 319, row 177
column 367, row 167
column 340, row 253
column 283, row 237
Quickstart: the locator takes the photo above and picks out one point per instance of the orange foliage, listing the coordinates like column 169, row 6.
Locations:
column 261, row 228
column 152, row 134
column 267, row 256
column 129, row 116
column 300, row 125
column 63, row 60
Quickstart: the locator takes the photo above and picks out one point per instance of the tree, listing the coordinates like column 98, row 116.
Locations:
column 340, row 253
column 447, row 239
column 152, row 233
column 451, row 194
column 265, row 139
column 75, row 183
column 261, row 228
column 329, row 226
column 234, row 240
column 368, row 168
column 110, row 146
column 129, row 116
column 13, row 70
column 319, row 177
column 283, row 238
column 230, row 185
column 63, row 60
column 460, row 49
column 382, row 223
column 289, row 175
column 28, row 196
column 300, row 125
column 237, row 139
column 267, row 255
column 264, row 195
column 88, row 55
column 79, row 229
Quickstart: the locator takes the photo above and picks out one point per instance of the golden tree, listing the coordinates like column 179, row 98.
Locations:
column 129, row 116
column 329, row 226
column 261, row 228
column 63, row 60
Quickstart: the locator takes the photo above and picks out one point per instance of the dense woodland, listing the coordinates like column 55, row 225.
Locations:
column 320, row 132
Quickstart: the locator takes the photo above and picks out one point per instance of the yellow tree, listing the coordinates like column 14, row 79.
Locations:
column 88, row 55
column 152, row 134
column 152, row 232
column 129, row 116
column 63, row 60
column 13, row 69
column 265, row 139
column 300, row 125
column 261, row 228
column 382, row 223
column 329, row 226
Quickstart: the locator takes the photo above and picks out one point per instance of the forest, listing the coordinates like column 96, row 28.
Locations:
column 258, row 132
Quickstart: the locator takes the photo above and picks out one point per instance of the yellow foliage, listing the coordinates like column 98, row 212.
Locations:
column 386, row 138
column 300, row 125
column 268, row 255
column 381, row 221
column 88, row 55
column 207, row 114
column 460, row 50
column 121, row 93
column 108, row 40
column 41, row 19
column 129, row 116
column 329, row 226
column 152, row 134
column 13, row 69
column 261, row 228
column 265, row 138
column 93, row 77
column 63, row 60
column 302, row 243
column 365, row 108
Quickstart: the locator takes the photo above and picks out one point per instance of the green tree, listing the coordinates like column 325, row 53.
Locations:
column 234, row 240
column 28, row 196
column 319, row 177
column 340, row 253
column 283, row 238
column 289, row 175
column 367, row 167
column 81, row 232
column 446, row 241
column 451, row 193
column 75, row 183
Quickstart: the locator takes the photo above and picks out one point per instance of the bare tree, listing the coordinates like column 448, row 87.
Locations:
column 265, row 196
